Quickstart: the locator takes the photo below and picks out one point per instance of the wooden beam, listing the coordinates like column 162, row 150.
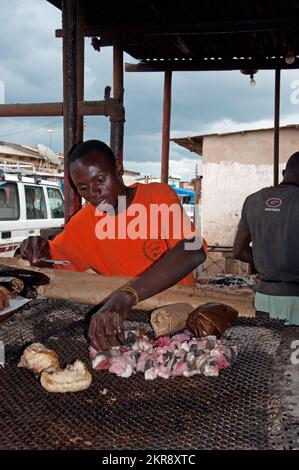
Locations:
column 209, row 65
column 195, row 27
column 90, row 288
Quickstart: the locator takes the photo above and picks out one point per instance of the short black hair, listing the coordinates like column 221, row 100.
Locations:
column 80, row 150
column 293, row 163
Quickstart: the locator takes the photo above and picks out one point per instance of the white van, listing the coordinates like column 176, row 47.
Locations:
column 27, row 205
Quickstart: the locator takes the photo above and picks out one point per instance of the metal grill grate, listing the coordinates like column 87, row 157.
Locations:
column 228, row 412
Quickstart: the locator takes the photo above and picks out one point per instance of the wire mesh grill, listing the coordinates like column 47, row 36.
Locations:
column 228, row 412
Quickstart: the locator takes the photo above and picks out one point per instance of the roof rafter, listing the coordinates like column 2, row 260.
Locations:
column 209, row 65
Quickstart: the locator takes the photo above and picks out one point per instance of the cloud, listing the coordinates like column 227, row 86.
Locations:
column 202, row 102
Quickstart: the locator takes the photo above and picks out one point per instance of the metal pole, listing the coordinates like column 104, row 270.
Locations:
column 80, row 68
column 166, row 126
column 72, row 201
column 117, row 126
column 109, row 107
column 276, row 127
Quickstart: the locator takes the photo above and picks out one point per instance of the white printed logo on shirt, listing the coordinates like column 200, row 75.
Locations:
column 273, row 204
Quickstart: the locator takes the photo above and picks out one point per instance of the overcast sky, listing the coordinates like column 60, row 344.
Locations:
column 202, row 102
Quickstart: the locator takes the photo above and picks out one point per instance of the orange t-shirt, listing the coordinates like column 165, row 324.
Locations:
column 128, row 243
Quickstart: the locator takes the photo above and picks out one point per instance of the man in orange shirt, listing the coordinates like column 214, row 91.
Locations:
column 140, row 230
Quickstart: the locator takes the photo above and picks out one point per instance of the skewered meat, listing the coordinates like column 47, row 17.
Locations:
column 74, row 378
column 34, row 278
column 4, row 302
column 13, row 284
column 37, row 358
column 167, row 356
column 9, row 294
column 29, row 292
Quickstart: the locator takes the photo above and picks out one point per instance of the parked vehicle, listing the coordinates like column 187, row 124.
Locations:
column 27, row 205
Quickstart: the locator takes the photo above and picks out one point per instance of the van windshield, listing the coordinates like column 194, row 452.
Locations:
column 9, row 202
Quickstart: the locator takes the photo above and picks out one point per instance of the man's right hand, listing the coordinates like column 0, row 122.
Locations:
column 34, row 248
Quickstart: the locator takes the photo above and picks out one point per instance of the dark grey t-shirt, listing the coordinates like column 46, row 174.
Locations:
column 272, row 217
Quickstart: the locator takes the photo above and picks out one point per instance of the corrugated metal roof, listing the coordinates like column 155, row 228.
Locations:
column 210, row 33
column 16, row 149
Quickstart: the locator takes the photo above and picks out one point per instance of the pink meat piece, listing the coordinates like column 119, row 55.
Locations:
column 185, row 346
column 221, row 361
column 101, row 362
column 141, row 363
column 114, row 352
column 179, row 355
column 151, row 354
column 124, row 348
column 176, row 344
column 210, row 369
column 121, row 367
column 142, row 344
column 163, row 341
column 181, row 337
column 201, row 361
column 190, row 357
column 158, row 354
column 130, row 357
column 143, row 358
column 201, row 343
column 151, row 374
column 92, row 352
column 189, row 373
column 180, row 367
column 165, row 370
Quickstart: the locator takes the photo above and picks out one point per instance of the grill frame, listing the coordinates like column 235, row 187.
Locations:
column 244, row 408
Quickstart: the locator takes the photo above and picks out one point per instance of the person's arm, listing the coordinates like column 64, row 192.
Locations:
column 183, row 256
column 65, row 246
column 242, row 249
column 106, row 326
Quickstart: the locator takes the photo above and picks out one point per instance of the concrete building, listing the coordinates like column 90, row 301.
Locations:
column 130, row 177
column 235, row 164
column 36, row 158
column 156, row 179
column 186, row 185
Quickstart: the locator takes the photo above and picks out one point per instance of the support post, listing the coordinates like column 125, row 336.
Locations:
column 80, row 69
column 166, row 126
column 72, row 200
column 117, row 125
column 276, row 128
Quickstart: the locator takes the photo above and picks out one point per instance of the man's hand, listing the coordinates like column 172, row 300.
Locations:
column 34, row 248
column 106, row 328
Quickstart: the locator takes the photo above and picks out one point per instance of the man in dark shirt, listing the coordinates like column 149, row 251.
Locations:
column 268, row 238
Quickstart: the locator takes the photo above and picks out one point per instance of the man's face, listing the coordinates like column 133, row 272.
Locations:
column 98, row 179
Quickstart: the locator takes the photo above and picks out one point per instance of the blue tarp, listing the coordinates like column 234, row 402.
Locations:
column 184, row 193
